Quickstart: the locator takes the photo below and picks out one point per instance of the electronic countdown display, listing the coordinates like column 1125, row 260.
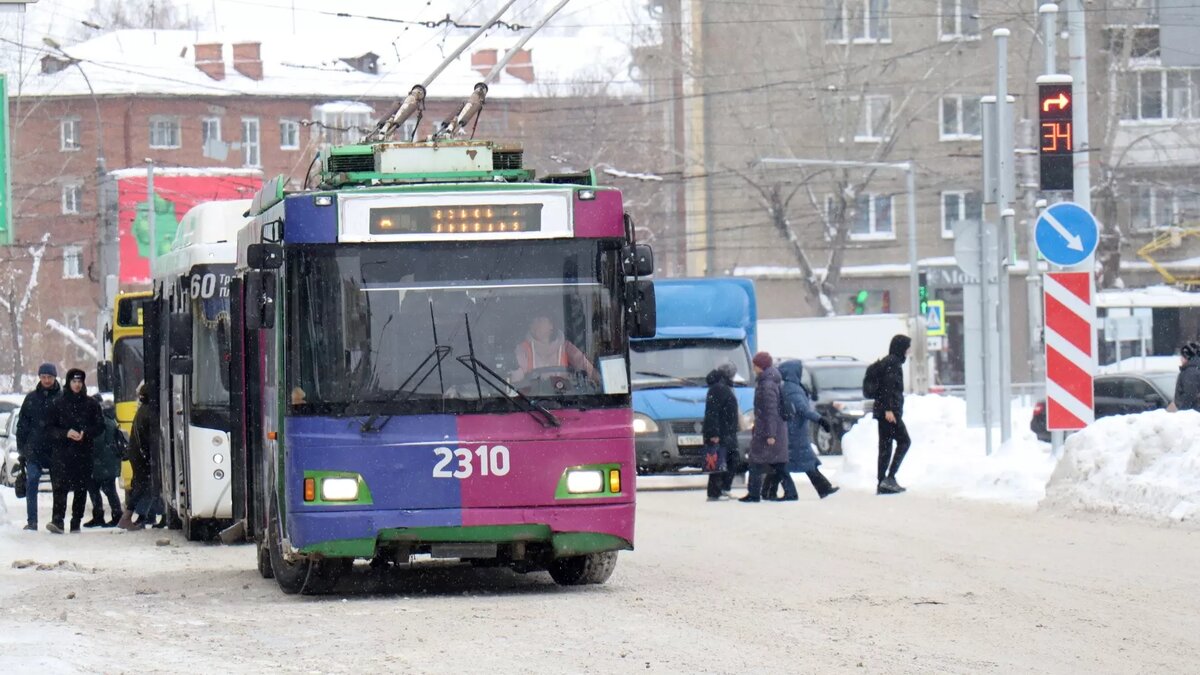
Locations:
column 1055, row 143
column 472, row 219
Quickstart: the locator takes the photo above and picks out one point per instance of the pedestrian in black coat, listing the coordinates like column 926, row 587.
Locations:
column 75, row 422
column 35, row 446
column 106, row 466
column 1187, row 386
column 889, row 412
column 143, row 459
column 721, row 416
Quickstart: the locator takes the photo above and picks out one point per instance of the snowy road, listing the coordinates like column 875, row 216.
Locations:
column 856, row 583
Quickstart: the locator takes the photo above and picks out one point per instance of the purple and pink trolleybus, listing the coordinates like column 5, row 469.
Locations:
column 430, row 360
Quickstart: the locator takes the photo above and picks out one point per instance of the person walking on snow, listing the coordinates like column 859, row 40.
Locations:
column 720, row 429
column 106, row 466
column 35, row 446
column 889, row 412
column 769, row 442
column 75, row 423
column 801, row 458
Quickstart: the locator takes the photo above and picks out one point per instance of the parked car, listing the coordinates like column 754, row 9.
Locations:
column 1119, row 394
column 8, row 441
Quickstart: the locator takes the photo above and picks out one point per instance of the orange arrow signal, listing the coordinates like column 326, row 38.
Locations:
column 1062, row 101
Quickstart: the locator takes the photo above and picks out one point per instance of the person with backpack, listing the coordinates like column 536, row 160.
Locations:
column 799, row 411
column 107, row 451
column 769, row 442
column 884, row 382
column 720, row 430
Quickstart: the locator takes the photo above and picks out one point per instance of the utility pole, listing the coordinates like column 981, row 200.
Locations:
column 1005, row 156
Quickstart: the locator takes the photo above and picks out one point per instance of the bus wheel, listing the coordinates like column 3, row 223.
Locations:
column 594, row 568
column 307, row 576
column 264, row 560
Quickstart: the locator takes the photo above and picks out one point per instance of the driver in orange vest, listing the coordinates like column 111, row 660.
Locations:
column 546, row 347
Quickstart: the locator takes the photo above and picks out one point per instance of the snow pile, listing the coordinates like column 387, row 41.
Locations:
column 949, row 458
column 1145, row 465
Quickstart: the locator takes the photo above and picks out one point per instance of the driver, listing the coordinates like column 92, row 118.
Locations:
column 545, row 347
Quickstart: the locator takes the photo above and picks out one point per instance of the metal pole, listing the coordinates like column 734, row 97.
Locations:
column 1005, row 156
column 920, row 368
column 152, row 215
column 1079, row 105
column 986, row 323
column 495, row 71
column 1049, row 12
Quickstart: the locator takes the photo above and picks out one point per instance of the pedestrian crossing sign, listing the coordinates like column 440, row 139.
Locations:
column 935, row 318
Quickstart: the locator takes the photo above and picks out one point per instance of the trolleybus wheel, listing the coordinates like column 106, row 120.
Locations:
column 307, row 576
column 594, row 568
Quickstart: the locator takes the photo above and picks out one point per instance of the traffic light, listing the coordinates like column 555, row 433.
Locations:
column 860, row 302
column 923, row 295
column 1055, row 141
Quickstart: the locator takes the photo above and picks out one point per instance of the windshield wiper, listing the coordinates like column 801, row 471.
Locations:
column 501, row 384
column 403, row 393
column 691, row 381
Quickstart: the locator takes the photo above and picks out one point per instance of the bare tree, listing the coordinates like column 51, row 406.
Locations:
column 16, row 291
column 109, row 15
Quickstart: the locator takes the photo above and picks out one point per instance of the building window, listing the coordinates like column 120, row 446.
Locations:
column 289, row 135
column 874, row 119
column 871, row 219
column 959, row 206
column 859, row 20
column 343, row 122
column 68, row 134
column 1155, row 208
column 250, row 142
column 72, row 196
column 210, row 131
column 959, row 19
column 959, row 118
column 1162, row 95
column 72, row 262
column 164, row 132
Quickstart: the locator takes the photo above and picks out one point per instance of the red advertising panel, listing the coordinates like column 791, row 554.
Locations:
column 175, row 191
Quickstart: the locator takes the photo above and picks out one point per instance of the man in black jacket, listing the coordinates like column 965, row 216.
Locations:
column 75, row 422
column 1187, row 386
column 720, row 429
column 35, row 447
column 889, row 412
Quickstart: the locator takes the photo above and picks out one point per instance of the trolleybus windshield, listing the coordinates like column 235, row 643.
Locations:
column 363, row 319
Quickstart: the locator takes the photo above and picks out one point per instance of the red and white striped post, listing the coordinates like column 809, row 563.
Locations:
column 1070, row 350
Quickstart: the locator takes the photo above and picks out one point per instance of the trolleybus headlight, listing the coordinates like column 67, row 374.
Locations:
column 323, row 200
column 339, row 489
column 218, row 458
column 585, row 481
column 587, row 195
column 643, row 424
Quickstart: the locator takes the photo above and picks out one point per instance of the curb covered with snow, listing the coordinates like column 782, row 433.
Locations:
column 1143, row 465
column 949, row 458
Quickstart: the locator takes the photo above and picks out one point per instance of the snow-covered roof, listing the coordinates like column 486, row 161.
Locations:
column 163, row 62
column 1152, row 296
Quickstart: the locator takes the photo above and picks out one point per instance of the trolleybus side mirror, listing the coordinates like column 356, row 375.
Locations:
column 264, row 256
column 638, row 260
column 181, row 365
column 104, row 376
column 180, row 339
column 642, row 308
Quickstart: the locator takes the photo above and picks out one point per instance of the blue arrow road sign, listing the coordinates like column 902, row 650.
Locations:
column 1066, row 234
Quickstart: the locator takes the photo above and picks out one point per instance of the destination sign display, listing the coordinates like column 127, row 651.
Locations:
column 460, row 219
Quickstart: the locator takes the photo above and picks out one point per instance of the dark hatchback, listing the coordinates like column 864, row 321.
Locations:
column 835, row 384
column 1119, row 394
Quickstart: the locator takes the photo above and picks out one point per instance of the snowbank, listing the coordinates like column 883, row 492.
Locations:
column 1145, row 465
column 949, row 458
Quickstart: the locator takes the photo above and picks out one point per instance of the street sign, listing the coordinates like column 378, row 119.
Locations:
column 935, row 343
column 935, row 318
column 1055, row 150
column 1070, row 350
column 1067, row 234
